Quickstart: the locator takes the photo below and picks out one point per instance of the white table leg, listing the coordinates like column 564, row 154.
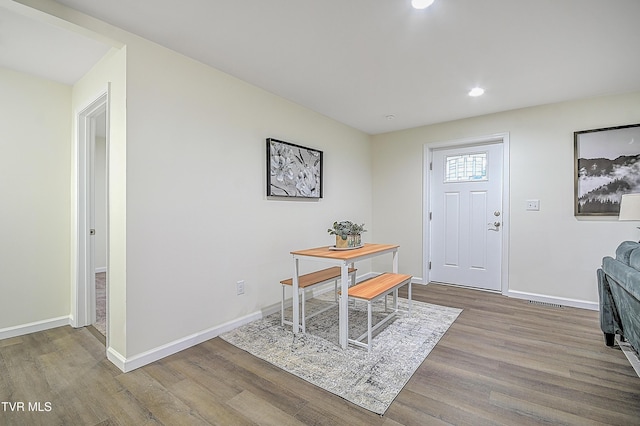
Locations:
column 296, row 303
column 344, row 306
column 395, row 261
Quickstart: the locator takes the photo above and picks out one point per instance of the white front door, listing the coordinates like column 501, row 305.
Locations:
column 467, row 216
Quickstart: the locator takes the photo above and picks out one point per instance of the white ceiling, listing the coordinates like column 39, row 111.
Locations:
column 36, row 44
column 358, row 61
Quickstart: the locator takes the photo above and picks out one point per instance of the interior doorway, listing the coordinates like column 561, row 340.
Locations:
column 92, row 216
column 100, row 223
column 467, row 211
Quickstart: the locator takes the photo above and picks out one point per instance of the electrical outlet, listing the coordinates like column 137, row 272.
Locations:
column 240, row 287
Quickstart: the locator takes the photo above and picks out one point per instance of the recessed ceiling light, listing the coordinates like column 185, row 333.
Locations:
column 421, row 4
column 476, row 91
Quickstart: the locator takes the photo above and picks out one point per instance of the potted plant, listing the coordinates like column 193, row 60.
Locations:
column 348, row 234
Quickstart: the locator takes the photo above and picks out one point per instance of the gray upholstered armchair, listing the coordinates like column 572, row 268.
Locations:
column 619, row 289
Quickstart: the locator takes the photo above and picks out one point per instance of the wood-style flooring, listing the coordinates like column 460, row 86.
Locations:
column 503, row 362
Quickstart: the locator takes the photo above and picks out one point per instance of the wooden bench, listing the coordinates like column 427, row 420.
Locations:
column 309, row 280
column 374, row 289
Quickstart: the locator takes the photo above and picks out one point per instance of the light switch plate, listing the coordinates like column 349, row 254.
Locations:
column 533, row 205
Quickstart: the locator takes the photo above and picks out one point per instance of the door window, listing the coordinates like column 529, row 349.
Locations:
column 465, row 167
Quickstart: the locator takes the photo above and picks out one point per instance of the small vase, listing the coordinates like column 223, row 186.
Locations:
column 350, row 242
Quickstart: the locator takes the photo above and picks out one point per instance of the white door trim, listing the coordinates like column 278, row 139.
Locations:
column 83, row 279
column 426, row 239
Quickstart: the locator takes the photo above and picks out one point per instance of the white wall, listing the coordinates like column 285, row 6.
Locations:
column 35, row 163
column 198, row 219
column 552, row 253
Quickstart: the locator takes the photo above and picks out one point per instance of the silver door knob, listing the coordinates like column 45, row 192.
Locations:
column 496, row 226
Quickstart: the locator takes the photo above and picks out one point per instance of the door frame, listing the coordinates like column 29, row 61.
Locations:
column 428, row 149
column 83, row 288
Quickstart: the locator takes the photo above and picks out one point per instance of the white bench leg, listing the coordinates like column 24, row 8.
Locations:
column 282, row 321
column 282, row 308
column 304, row 310
column 395, row 300
column 369, row 332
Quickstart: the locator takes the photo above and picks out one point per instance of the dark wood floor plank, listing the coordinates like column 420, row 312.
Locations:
column 210, row 408
column 205, row 372
column 443, row 387
column 561, row 400
column 160, row 403
column 444, row 410
column 410, row 409
column 243, row 371
column 537, row 413
column 331, row 410
column 261, row 411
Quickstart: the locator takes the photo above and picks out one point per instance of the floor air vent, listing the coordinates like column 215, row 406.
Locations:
column 551, row 305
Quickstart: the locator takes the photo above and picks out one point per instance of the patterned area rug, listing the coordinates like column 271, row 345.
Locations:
column 370, row 380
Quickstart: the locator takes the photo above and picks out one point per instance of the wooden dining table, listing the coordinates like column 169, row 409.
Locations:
column 345, row 258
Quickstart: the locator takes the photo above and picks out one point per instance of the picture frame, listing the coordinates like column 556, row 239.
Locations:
column 293, row 170
column 606, row 166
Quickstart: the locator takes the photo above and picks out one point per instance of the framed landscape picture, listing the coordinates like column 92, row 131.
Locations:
column 606, row 166
column 293, row 170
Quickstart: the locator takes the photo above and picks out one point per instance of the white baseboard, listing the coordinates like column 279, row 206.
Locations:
column 117, row 359
column 574, row 303
column 129, row 364
column 583, row 304
column 19, row 330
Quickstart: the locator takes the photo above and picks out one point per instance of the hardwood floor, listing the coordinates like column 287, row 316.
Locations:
column 504, row 361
